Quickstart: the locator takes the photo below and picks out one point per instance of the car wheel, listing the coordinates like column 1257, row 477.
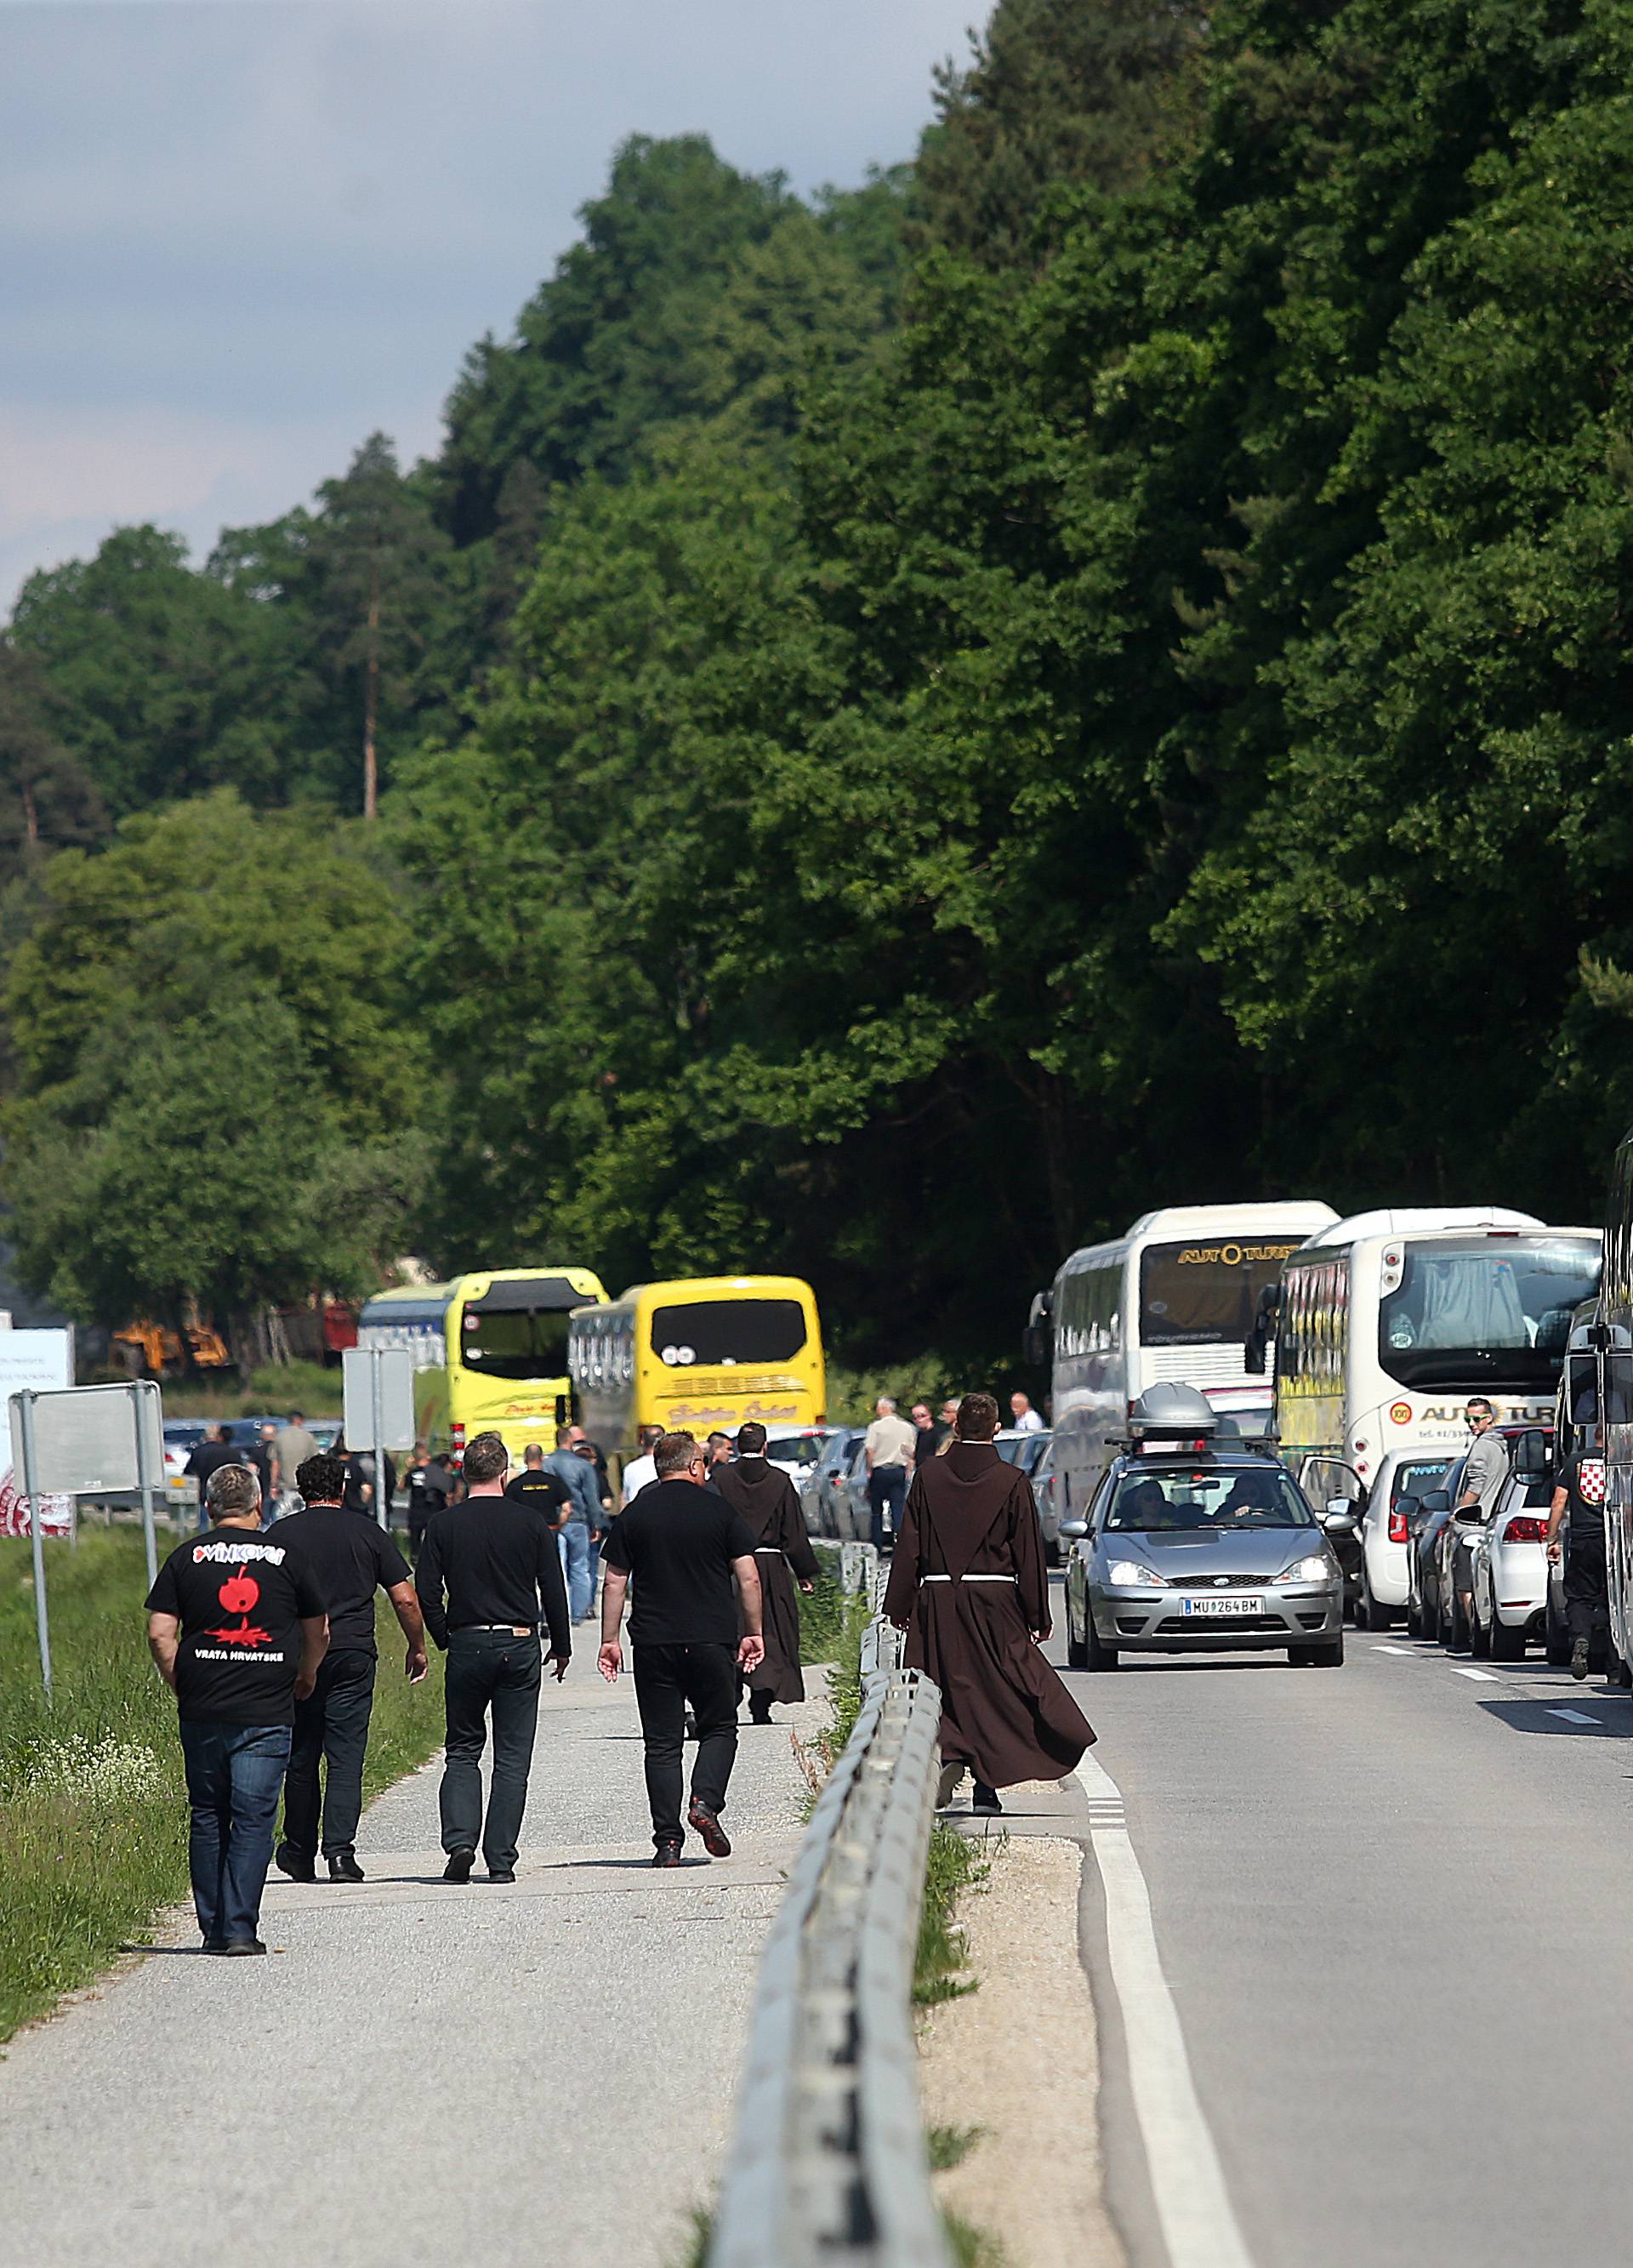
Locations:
column 1095, row 1655
column 1077, row 1648
column 1319, row 1654
column 1374, row 1615
column 1508, row 1641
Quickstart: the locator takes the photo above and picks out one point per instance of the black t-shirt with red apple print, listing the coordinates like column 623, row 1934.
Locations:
column 241, row 1598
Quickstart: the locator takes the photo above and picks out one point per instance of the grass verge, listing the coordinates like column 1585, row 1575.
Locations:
column 92, row 1804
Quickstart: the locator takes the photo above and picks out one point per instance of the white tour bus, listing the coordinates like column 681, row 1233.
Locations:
column 1610, row 1335
column 1173, row 1299
column 1386, row 1323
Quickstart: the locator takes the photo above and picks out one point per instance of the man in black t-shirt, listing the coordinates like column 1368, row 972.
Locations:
column 350, row 1556
column 1579, row 1487
column 429, row 1484
column 236, row 1623
column 214, row 1451
column 692, row 1557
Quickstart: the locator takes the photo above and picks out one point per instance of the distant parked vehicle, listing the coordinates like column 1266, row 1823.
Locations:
column 1511, row 1569
column 798, row 1455
column 1385, row 1580
column 821, row 1492
column 1035, row 1453
column 1425, row 1517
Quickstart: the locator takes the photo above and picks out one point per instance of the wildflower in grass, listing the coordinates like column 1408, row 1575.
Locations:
column 93, row 1772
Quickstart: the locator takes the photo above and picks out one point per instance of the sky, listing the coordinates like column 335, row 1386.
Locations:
column 237, row 236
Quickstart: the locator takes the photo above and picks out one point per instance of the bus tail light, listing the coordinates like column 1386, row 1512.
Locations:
column 1524, row 1528
column 1397, row 1529
column 456, row 1435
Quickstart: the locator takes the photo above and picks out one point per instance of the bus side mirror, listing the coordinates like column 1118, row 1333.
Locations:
column 1037, row 1345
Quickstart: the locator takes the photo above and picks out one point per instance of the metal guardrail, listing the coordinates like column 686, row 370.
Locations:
column 828, row 2164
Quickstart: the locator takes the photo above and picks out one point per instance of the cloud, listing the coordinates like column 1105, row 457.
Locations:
column 239, row 236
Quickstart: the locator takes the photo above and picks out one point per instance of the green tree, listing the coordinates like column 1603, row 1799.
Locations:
column 47, row 797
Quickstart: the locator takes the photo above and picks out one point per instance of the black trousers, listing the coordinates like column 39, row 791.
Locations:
column 1587, row 1588
column 887, row 1492
column 666, row 1678
column 333, row 1727
column 489, row 1672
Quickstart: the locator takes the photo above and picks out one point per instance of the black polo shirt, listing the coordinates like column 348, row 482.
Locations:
column 678, row 1542
column 350, row 1556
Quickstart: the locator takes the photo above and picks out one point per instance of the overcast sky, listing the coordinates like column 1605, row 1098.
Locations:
column 237, row 236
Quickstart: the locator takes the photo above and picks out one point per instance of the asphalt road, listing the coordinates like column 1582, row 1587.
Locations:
column 421, row 2074
column 1392, row 1902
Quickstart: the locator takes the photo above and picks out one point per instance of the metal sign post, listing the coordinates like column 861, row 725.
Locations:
column 382, row 1507
column 144, row 1434
column 378, row 1391
column 24, row 1405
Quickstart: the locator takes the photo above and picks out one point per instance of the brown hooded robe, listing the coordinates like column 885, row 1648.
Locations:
column 765, row 1496
column 1003, row 1710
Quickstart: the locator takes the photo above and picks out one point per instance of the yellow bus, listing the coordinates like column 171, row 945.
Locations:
column 701, row 1354
column 490, row 1352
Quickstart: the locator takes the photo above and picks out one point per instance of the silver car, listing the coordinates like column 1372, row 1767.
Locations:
column 1202, row 1553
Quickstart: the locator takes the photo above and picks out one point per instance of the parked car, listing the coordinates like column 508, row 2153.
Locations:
column 1384, row 1578
column 1510, row 1569
column 821, row 1492
column 182, row 1436
column 1529, row 1449
column 1425, row 1517
column 1049, row 1511
column 797, row 1455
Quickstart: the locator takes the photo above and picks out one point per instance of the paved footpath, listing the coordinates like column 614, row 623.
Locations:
column 419, row 2073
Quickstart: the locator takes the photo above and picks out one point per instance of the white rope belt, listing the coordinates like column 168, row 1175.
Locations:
column 966, row 1578
column 768, row 1550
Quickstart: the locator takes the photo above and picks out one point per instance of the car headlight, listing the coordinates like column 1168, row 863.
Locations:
column 1313, row 1569
column 1126, row 1574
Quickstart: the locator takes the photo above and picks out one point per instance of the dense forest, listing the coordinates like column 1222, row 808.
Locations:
column 899, row 728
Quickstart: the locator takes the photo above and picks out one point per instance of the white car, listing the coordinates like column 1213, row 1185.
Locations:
column 1385, row 1536
column 1511, row 1569
column 797, row 1455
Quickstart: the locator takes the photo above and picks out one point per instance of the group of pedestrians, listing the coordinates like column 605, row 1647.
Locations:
column 892, row 1450
column 266, row 1635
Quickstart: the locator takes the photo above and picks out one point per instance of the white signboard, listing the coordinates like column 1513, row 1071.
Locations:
column 92, row 1438
column 44, row 1360
column 396, row 1397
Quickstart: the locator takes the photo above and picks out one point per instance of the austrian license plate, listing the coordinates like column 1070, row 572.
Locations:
column 1228, row 1602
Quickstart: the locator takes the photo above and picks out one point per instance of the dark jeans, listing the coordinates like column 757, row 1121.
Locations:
column 235, row 1772
column 1587, row 1593
column 886, row 1488
column 666, row 1678
column 334, row 1726
column 488, row 1670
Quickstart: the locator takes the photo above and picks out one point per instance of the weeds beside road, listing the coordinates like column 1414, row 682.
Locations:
column 92, row 1805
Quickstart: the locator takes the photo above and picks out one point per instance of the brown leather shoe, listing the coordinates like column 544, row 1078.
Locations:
column 703, row 1823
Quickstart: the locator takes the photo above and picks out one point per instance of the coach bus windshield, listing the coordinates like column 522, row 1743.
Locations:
column 1465, row 1311
column 518, row 1329
column 719, row 1333
column 1206, row 1292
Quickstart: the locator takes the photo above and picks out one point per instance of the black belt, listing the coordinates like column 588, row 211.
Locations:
column 510, row 1629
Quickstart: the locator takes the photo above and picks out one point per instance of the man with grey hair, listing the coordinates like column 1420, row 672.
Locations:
column 889, row 1446
column 237, row 1627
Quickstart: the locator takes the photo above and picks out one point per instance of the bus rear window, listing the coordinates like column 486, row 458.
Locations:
column 719, row 1333
column 514, row 1342
column 1204, row 1293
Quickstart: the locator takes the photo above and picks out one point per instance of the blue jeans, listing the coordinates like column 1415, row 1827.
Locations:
column 580, row 1569
column 235, row 1773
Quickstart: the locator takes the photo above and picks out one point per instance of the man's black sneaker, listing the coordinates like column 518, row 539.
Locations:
column 243, row 1945
column 299, row 1865
column 214, row 1945
column 1578, row 1660
column 703, row 1823
column 459, row 1867
column 985, row 1799
column 501, row 1873
column 343, row 1867
column 667, row 1854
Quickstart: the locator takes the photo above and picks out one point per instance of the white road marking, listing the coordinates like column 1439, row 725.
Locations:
column 1575, row 1717
column 1194, row 2208
column 1484, row 1675
column 1405, row 1652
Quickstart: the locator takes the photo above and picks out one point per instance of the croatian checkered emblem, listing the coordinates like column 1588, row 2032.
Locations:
column 1591, row 1480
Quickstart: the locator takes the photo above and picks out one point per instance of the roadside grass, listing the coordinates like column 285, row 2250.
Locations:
column 92, row 1802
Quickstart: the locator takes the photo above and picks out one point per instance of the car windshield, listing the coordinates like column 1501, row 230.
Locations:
column 1472, row 1309
column 1260, row 1497
column 719, row 1333
column 1205, row 1294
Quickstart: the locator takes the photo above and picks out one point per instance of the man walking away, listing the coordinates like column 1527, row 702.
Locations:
column 968, row 1586
column 1580, row 1488
column 487, row 1571
column 262, row 1458
column 889, row 1445
column 642, row 1472
column 926, row 1434
column 429, row 1485
column 1483, row 1477
column 584, row 1487
column 765, row 1496
column 293, row 1445
column 212, row 1453
column 349, row 1558
column 363, row 1481
column 536, row 1485
column 237, row 1627
column 1023, row 1418
column 686, row 1549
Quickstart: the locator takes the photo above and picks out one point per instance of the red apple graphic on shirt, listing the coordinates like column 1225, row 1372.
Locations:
column 238, row 1595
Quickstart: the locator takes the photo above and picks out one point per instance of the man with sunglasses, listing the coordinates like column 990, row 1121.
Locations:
column 1483, row 1477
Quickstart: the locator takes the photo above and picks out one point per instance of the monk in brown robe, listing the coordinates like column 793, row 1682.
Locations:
column 764, row 1495
column 968, row 1584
